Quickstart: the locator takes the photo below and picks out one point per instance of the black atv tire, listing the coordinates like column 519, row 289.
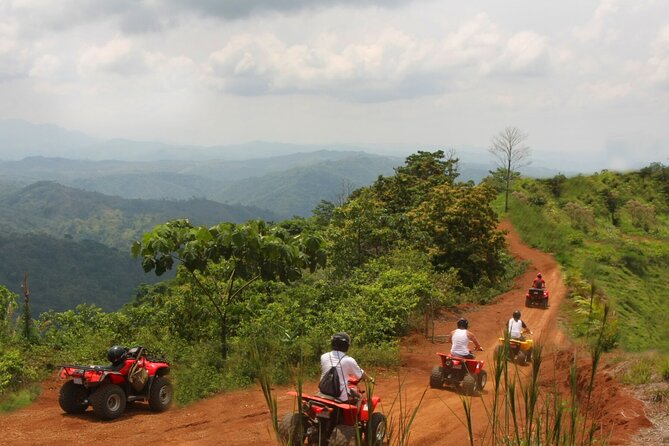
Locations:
column 544, row 304
column 469, row 384
column 528, row 302
column 343, row 435
column 378, row 426
column 161, row 393
column 521, row 358
column 108, row 401
column 72, row 398
column 292, row 429
column 481, row 380
column 437, row 378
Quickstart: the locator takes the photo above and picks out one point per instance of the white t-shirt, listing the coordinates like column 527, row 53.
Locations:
column 516, row 328
column 346, row 367
column 460, row 342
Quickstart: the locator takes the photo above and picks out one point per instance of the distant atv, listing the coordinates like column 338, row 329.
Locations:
column 537, row 297
column 324, row 420
column 133, row 376
column 462, row 374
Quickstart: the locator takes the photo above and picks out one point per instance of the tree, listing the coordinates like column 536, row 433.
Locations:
column 511, row 153
column 230, row 254
column 462, row 228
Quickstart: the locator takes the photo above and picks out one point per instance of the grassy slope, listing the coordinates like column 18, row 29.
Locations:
column 630, row 265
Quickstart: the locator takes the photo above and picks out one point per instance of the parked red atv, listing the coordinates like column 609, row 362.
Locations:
column 324, row 420
column 133, row 376
column 460, row 373
column 537, row 297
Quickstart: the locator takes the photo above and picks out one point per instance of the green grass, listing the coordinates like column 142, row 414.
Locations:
column 17, row 399
column 628, row 268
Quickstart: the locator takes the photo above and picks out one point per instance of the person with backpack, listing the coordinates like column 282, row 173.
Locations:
column 336, row 367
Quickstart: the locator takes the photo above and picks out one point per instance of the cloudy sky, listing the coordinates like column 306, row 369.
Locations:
column 585, row 79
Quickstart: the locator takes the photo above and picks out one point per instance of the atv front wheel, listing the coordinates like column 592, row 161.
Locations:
column 437, row 378
column 378, row 430
column 343, row 435
column 72, row 398
column 160, row 395
column 292, row 429
column 108, row 401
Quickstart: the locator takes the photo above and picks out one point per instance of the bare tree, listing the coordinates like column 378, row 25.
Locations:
column 509, row 148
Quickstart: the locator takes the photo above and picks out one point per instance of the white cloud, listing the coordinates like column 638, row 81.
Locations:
column 45, row 66
column 118, row 56
column 525, row 53
column 658, row 63
column 596, row 28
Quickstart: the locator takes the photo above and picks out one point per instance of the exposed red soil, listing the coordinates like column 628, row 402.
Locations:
column 242, row 417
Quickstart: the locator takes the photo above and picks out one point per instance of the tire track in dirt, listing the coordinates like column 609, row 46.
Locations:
column 241, row 417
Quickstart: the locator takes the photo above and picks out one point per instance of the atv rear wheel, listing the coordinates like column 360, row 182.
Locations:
column 108, row 401
column 343, row 435
column 292, row 429
column 378, row 430
column 468, row 384
column 521, row 358
column 160, row 395
column 481, row 380
column 437, row 378
column 528, row 302
column 72, row 398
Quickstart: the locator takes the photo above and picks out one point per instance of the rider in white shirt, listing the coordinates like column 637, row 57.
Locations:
column 517, row 327
column 460, row 337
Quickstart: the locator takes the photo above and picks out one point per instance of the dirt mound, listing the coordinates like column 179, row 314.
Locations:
column 242, row 418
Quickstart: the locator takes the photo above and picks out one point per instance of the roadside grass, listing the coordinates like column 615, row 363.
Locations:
column 19, row 398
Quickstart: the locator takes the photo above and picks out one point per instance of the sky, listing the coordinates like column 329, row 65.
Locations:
column 586, row 80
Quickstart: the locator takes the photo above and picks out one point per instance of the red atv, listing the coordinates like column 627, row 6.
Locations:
column 460, row 373
column 133, row 376
column 537, row 297
column 324, row 420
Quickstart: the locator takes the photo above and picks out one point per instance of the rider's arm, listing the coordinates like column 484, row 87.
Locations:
column 472, row 338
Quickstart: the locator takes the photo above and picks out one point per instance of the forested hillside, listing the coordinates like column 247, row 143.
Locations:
column 64, row 273
column 611, row 232
column 297, row 191
column 65, row 212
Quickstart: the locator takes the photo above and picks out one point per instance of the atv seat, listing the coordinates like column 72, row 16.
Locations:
column 328, row 397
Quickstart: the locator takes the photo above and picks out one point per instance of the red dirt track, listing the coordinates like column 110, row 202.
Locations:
column 242, row 417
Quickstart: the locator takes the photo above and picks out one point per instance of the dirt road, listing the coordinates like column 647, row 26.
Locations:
column 242, row 418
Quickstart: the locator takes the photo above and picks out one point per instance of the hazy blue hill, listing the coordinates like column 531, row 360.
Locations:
column 297, row 191
column 63, row 273
column 63, row 211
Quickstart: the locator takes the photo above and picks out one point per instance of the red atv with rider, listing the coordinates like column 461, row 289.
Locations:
column 325, row 420
column 132, row 376
column 460, row 373
column 538, row 294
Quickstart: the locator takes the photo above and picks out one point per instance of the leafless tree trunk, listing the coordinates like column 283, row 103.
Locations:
column 509, row 149
column 27, row 318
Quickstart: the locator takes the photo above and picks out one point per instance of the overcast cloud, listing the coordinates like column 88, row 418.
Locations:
column 586, row 80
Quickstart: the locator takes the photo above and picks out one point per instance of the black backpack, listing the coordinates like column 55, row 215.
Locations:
column 330, row 384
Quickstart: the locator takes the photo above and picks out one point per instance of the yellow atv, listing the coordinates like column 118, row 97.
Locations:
column 519, row 350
